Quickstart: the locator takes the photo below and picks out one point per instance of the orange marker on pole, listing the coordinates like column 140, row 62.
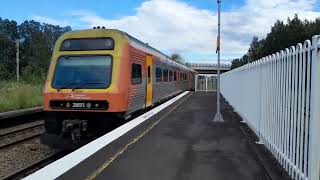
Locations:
column 218, row 44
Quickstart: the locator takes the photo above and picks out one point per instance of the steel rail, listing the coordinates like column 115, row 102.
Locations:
column 20, row 140
column 21, row 129
column 35, row 165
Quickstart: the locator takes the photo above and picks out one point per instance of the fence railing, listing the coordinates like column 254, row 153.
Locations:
column 278, row 96
column 205, row 82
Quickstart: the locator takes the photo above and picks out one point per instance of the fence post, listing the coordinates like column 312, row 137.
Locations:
column 314, row 133
column 196, row 82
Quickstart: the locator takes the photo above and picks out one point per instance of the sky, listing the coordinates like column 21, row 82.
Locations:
column 187, row 27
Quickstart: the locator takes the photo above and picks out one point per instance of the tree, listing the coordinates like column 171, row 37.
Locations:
column 281, row 36
column 36, row 45
column 177, row 57
column 255, row 49
column 7, row 56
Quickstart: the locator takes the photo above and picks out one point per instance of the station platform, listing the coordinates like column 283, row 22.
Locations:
column 181, row 142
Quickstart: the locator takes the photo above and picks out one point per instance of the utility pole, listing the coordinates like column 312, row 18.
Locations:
column 218, row 116
column 17, row 60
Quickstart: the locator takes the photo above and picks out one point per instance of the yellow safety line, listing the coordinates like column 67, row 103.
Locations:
column 122, row 150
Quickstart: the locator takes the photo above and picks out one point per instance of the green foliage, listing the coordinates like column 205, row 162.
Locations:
column 19, row 95
column 177, row 57
column 28, row 76
column 281, row 36
column 36, row 46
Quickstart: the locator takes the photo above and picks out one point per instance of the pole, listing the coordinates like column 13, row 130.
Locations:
column 218, row 116
column 17, row 60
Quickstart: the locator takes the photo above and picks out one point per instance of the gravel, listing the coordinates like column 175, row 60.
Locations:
column 22, row 155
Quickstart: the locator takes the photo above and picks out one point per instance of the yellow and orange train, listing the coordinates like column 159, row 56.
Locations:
column 99, row 74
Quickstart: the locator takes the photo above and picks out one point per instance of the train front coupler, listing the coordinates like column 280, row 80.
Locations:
column 76, row 128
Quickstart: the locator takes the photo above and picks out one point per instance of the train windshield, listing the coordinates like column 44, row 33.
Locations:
column 83, row 72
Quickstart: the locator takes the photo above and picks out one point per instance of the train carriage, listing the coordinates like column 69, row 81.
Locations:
column 101, row 74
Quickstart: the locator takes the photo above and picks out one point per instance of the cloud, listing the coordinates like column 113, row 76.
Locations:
column 49, row 20
column 175, row 26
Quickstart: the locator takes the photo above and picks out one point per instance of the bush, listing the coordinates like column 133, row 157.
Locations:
column 19, row 95
column 31, row 77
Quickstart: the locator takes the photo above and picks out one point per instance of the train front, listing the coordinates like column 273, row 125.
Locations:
column 84, row 90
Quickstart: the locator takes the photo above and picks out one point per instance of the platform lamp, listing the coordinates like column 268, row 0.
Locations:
column 218, row 117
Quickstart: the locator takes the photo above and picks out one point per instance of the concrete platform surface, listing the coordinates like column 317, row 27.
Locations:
column 186, row 144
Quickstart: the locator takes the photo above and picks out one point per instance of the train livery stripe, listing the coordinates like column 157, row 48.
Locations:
column 61, row 166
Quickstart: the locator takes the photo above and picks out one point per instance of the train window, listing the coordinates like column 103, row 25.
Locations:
column 165, row 75
column 85, row 44
column 83, row 72
column 136, row 74
column 181, row 76
column 175, row 75
column 170, row 75
column 158, row 74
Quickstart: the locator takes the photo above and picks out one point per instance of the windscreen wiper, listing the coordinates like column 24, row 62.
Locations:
column 78, row 87
column 93, row 83
column 66, row 86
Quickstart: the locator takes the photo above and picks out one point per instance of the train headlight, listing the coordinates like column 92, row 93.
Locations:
column 67, row 104
column 88, row 105
column 66, row 44
column 108, row 43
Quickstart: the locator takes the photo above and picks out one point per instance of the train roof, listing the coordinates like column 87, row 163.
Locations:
column 155, row 51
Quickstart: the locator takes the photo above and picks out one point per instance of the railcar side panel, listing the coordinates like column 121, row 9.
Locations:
column 136, row 92
column 158, row 89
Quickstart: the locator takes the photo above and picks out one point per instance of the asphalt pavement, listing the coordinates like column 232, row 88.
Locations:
column 185, row 143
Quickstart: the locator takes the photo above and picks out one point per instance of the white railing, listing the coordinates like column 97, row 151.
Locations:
column 209, row 65
column 205, row 82
column 278, row 96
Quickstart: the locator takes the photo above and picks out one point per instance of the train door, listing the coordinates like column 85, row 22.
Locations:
column 149, row 80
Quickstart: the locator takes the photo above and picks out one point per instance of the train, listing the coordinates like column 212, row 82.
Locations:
column 98, row 75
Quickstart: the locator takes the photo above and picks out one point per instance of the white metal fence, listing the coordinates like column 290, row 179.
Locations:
column 278, row 96
column 206, row 82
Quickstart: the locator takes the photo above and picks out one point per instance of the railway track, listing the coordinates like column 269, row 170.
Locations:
column 21, row 152
column 26, row 170
column 20, row 146
column 16, row 135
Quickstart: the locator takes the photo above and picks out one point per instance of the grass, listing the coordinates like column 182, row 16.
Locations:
column 19, row 95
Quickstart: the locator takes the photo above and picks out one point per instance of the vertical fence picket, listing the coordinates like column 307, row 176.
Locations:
column 300, row 65
column 288, row 102
column 314, row 132
column 307, row 46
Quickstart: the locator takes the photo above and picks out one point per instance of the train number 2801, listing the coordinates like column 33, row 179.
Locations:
column 78, row 105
